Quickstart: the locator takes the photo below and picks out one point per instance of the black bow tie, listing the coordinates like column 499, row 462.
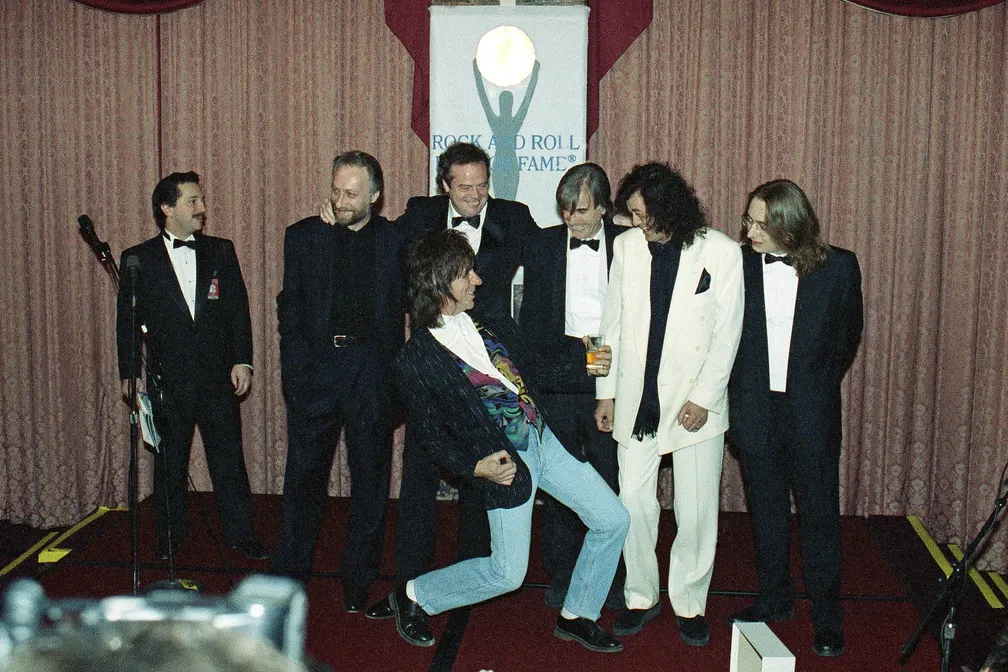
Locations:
column 177, row 243
column 771, row 258
column 577, row 242
column 471, row 221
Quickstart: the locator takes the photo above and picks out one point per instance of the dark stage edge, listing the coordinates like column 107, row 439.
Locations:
column 888, row 578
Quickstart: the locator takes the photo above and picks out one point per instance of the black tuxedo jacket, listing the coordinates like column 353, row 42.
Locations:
column 506, row 228
column 194, row 356
column 304, row 306
column 825, row 335
column 449, row 418
column 544, row 301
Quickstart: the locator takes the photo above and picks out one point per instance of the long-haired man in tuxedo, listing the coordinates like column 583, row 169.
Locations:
column 801, row 329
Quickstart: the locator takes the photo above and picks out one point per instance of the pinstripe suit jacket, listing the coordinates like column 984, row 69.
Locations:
column 449, row 418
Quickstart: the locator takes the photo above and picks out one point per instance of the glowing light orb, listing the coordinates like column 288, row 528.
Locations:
column 505, row 55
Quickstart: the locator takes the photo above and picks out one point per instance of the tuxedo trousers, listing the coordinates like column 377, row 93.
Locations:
column 572, row 420
column 770, row 473
column 219, row 422
column 696, row 472
column 416, row 521
column 346, row 390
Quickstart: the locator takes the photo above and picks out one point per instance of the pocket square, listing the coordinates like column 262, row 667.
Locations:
column 704, row 282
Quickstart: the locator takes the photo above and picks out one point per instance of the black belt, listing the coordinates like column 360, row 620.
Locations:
column 343, row 340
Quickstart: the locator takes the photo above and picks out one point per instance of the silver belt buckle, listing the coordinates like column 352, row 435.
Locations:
column 339, row 341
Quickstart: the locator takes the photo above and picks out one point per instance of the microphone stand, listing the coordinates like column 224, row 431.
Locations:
column 951, row 593
column 105, row 258
column 137, row 363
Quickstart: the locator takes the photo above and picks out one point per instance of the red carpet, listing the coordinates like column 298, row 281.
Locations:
column 512, row 633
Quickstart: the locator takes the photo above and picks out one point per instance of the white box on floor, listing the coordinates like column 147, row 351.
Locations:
column 755, row 648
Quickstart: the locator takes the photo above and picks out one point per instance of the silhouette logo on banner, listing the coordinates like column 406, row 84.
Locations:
column 505, row 55
column 505, row 171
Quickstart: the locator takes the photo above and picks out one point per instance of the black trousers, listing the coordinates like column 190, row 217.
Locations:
column 572, row 420
column 219, row 422
column 346, row 389
column 416, row 525
column 813, row 472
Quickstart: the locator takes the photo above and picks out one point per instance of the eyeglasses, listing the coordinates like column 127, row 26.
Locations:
column 748, row 222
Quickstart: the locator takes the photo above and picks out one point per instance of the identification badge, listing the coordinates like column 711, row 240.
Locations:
column 214, row 292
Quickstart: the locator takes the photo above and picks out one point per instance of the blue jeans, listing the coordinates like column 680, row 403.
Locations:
column 572, row 483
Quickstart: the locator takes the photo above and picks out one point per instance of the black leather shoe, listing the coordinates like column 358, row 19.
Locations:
column 381, row 609
column 631, row 621
column 758, row 613
column 828, row 643
column 411, row 619
column 587, row 633
column 694, row 630
column 354, row 598
column 252, row 549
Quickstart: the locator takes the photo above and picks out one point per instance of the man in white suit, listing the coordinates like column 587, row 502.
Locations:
column 673, row 316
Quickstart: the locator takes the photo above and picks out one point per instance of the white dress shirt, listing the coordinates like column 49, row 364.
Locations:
column 460, row 336
column 780, row 288
column 183, row 260
column 474, row 236
column 587, row 280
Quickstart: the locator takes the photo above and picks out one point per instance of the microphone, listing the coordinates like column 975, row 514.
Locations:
column 87, row 231
column 131, row 269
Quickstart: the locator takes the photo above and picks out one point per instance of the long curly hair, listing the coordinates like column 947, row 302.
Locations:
column 434, row 260
column 792, row 223
column 672, row 205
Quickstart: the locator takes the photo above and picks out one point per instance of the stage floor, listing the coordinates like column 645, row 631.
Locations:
column 891, row 573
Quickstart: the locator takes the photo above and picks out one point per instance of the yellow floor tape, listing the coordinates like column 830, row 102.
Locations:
column 27, row 554
column 53, row 552
column 985, row 590
column 999, row 582
column 931, row 546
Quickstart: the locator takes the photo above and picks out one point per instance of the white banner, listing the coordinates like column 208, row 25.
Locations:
column 524, row 103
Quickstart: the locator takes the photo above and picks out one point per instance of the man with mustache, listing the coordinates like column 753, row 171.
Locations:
column 192, row 303
column 341, row 322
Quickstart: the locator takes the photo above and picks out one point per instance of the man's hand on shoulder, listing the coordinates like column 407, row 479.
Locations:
column 498, row 468
column 326, row 212
column 241, row 379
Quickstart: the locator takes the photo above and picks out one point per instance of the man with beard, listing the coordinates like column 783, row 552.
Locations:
column 341, row 322
column 192, row 303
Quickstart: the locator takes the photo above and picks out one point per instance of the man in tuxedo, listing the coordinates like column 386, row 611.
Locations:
column 497, row 231
column 566, row 275
column 193, row 307
column 341, row 322
column 475, row 414
column 802, row 325
column 673, row 316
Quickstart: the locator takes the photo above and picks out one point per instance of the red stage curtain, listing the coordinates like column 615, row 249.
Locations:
column 140, row 6
column 624, row 20
column 928, row 8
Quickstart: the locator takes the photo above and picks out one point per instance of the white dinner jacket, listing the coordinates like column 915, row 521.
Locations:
column 701, row 336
